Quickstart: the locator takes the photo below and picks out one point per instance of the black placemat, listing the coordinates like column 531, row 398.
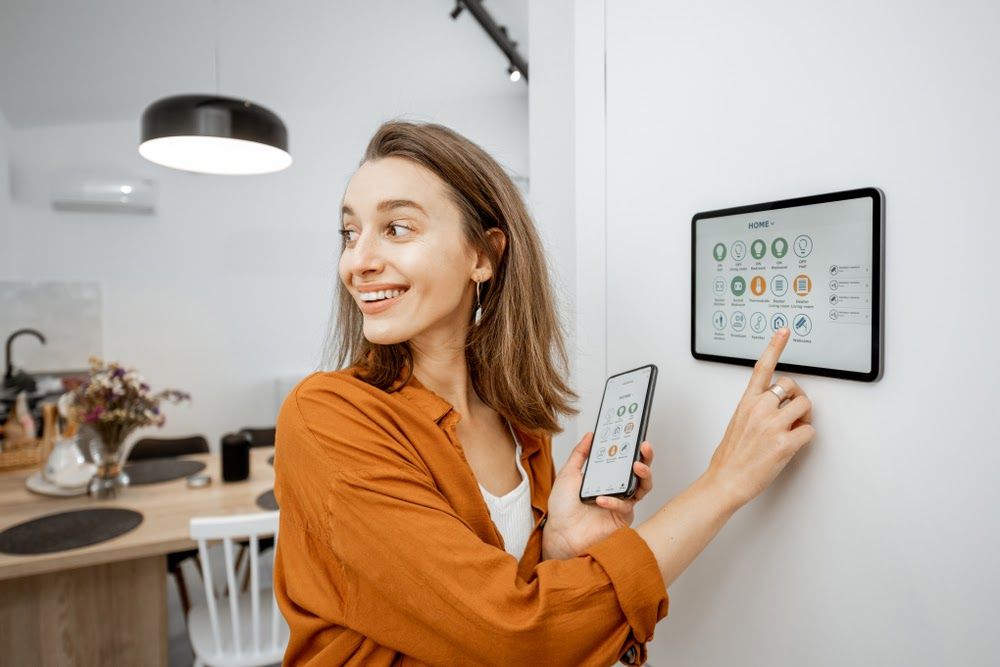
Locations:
column 154, row 471
column 68, row 530
column 267, row 501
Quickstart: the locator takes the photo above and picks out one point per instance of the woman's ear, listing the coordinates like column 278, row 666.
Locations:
column 484, row 267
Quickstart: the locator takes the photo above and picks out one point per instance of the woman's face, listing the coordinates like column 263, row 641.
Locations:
column 405, row 259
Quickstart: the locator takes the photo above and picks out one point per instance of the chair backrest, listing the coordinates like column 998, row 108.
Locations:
column 259, row 437
column 155, row 448
column 228, row 529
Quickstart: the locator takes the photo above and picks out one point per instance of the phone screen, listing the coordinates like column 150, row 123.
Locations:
column 620, row 427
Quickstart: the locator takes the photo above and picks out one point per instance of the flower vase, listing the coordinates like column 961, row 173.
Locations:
column 109, row 456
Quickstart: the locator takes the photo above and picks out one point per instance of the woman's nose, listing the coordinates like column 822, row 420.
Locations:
column 365, row 256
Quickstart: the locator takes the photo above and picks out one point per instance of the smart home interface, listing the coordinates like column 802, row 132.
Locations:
column 618, row 433
column 809, row 264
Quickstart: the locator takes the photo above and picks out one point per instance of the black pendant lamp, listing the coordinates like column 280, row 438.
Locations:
column 214, row 135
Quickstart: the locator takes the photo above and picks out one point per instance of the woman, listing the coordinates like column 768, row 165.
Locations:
column 421, row 518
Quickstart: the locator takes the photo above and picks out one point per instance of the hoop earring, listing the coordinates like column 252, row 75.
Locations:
column 479, row 305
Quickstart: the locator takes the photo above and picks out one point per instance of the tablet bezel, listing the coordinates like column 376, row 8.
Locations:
column 878, row 290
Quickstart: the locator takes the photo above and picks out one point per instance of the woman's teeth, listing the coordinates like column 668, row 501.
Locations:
column 381, row 294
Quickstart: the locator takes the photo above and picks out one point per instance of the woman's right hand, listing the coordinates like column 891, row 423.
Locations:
column 762, row 437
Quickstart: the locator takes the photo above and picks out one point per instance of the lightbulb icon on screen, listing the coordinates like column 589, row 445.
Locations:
column 803, row 245
column 779, row 247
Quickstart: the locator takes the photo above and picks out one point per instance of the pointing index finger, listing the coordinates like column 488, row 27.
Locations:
column 763, row 370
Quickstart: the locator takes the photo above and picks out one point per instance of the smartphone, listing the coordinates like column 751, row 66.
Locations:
column 621, row 428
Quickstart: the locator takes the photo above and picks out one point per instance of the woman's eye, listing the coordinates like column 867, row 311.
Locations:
column 401, row 230
column 346, row 234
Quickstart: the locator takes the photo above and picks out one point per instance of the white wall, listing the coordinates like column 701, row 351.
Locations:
column 6, row 214
column 552, row 166
column 229, row 285
column 878, row 544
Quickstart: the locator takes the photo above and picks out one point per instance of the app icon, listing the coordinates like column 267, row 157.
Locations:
column 600, row 452
column 604, row 433
column 779, row 285
column 778, row 320
column 803, row 245
column 758, row 248
column 719, row 320
column 621, row 410
column 803, row 284
column 739, row 285
column 758, row 322
column 739, row 321
column 802, row 324
column 779, row 247
column 758, row 285
column 618, row 430
column 739, row 251
column 625, row 448
column 628, row 427
column 632, row 408
column 719, row 251
column 612, row 450
column 719, row 287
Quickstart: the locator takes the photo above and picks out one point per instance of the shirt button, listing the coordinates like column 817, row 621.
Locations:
column 630, row 656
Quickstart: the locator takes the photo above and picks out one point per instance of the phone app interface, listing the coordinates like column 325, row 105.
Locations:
column 617, row 434
column 808, row 268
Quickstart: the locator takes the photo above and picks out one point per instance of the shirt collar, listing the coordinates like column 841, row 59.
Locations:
column 436, row 408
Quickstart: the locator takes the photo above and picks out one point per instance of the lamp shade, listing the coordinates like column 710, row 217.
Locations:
column 214, row 135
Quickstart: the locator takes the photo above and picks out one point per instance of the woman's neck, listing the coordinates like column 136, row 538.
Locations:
column 443, row 369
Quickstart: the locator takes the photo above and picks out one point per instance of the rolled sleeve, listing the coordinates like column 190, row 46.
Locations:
column 638, row 583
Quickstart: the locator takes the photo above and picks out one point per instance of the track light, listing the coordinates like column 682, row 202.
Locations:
column 515, row 73
column 458, row 10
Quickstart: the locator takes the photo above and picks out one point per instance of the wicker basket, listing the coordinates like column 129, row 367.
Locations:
column 22, row 454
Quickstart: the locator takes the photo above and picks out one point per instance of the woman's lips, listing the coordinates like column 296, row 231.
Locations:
column 374, row 307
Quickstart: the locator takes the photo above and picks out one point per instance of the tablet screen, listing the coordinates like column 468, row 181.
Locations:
column 811, row 264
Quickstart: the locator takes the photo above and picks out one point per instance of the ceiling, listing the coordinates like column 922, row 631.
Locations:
column 74, row 62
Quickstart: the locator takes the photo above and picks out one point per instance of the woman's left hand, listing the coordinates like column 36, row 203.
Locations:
column 573, row 526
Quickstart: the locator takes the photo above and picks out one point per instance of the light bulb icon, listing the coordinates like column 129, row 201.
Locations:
column 803, row 245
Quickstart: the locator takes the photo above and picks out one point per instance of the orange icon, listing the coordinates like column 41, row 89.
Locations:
column 613, row 450
column 758, row 285
column 802, row 284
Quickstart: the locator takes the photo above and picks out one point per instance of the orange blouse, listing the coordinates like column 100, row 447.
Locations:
column 387, row 554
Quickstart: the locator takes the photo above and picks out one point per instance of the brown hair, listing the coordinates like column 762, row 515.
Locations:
column 516, row 355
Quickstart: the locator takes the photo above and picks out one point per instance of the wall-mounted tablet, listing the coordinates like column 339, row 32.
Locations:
column 812, row 264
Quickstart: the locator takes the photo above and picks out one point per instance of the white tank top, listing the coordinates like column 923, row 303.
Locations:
column 512, row 512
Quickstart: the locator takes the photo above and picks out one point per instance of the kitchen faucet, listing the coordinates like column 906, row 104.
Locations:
column 9, row 379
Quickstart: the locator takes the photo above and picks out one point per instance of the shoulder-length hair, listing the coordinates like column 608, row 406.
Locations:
column 516, row 355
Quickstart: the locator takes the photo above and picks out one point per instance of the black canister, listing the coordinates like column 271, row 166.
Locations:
column 235, row 457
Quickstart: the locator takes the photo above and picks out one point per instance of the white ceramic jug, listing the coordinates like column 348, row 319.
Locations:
column 65, row 454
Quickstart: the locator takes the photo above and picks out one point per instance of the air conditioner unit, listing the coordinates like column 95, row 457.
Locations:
column 102, row 189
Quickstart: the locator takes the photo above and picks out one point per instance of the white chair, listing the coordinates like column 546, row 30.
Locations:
column 230, row 632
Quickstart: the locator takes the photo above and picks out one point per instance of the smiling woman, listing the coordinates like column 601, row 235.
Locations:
column 415, row 482
column 438, row 214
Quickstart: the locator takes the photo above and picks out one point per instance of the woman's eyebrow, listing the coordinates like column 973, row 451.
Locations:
column 388, row 205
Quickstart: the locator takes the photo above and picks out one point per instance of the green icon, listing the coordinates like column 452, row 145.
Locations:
column 621, row 410
column 758, row 248
column 779, row 247
column 719, row 252
column 632, row 408
column 739, row 286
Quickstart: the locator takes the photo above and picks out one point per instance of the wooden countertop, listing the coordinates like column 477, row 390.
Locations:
column 166, row 507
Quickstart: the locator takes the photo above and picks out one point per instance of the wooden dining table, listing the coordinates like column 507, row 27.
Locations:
column 106, row 604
